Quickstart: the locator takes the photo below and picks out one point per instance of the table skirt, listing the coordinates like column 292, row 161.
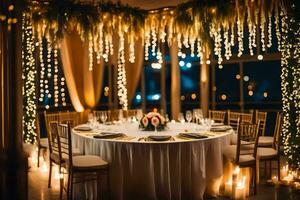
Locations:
column 155, row 170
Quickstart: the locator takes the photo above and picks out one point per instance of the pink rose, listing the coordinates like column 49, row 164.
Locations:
column 155, row 121
column 145, row 121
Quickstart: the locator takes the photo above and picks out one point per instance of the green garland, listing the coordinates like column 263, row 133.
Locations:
column 290, row 63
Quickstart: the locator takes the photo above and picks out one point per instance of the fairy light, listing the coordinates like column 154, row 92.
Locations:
column 122, row 90
column 269, row 31
column 192, row 46
column 262, row 32
column 232, row 35
column 154, row 40
column 131, row 52
column 29, row 78
column 42, row 72
column 62, row 91
column 91, row 52
column 179, row 44
column 251, row 37
column 159, row 56
column 55, row 76
column 186, row 41
column 290, row 76
column 240, row 31
column 277, row 28
column 147, row 44
column 228, row 53
column 100, row 43
column 106, row 44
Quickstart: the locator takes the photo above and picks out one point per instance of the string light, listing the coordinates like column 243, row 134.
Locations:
column 29, row 78
column 91, row 52
column 262, row 32
column 154, row 40
column 122, row 90
column 240, row 31
column 147, row 45
column 269, row 31
column 55, row 76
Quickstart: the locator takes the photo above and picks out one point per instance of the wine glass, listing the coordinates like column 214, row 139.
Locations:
column 188, row 116
column 103, row 117
column 181, row 118
column 90, row 118
column 139, row 115
column 167, row 118
column 121, row 117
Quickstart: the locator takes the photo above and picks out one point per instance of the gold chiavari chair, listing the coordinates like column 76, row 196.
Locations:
column 262, row 117
column 267, row 141
column 80, row 168
column 71, row 117
column 244, row 152
column 246, row 118
column 42, row 143
column 217, row 116
column 233, row 119
column 272, row 153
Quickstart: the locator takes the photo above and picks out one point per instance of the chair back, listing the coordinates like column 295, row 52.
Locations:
column 217, row 116
column 233, row 119
column 65, row 141
column 262, row 117
column 38, row 129
column 49, row 119
column 277, row 132
column 71, row 117
column 247, row 140
column 54, row 144
column 246, row 118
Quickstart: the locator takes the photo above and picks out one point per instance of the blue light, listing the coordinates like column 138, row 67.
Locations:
column 188, row 65
column 181, row 63
column 138, row 97
column 156, row 97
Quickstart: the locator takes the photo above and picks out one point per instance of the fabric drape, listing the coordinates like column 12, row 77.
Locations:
column 133, row 70
column 175, row 81
column 84, row 86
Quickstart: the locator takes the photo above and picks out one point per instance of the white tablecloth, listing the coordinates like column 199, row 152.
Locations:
column 176, row 169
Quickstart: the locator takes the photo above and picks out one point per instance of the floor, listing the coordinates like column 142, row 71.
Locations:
column 38, row 187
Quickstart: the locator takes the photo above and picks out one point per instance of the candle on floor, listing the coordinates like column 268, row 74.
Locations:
column 275, row 179
column 228, row 188
column 296, row 185
column 284, row 171
column 240, row 191
column 287, row 180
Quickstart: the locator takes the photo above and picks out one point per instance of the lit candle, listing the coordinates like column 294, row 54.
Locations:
column 287, row 180
column 284, row 171
column 228, row 188
column 296, row 185
column 240, row 192
column 275, row 179
column 235, row 174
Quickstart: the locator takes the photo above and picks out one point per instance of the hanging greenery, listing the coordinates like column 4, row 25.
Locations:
column 290, row 76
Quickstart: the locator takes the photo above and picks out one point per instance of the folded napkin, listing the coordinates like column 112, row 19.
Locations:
column 193, row 135
column 220, row 128
column 217, row 124
column 83, row 128
column 108, row 135
column 159, row 137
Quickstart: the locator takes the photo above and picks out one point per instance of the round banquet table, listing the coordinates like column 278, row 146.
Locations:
column 139, row 169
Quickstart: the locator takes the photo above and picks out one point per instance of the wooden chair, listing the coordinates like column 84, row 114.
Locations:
column 42, row 143
column 262, row 117
column 272, row 153
column 79, row 168
column 244, row 153
column 267, row 141
column 233, row 119
column 217, row 116
column 71, row 117
column 246, row 118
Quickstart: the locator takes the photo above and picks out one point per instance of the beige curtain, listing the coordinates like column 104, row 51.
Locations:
column 84, row 86
column 175, row 81
column 133, row 70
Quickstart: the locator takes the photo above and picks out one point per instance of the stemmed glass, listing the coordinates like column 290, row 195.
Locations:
column 188, row 116
column 139, row 115
column 103, row 117
column 181, row 118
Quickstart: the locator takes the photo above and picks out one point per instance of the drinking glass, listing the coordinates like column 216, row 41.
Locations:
column 167, row 118
column 188, row 116
column 181, row 118
column 139, row 115
column 103, row 117
column 90, row 118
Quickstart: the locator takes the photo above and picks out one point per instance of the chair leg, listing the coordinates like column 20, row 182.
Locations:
column 270, row 169
column 265, row 170
column 278, row 167
column 69, row 187
column 255, row 181
column 38, row 158
column 50, row 174
column 61, row 184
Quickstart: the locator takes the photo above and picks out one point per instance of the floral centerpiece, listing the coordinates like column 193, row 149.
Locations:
column 151, row 121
